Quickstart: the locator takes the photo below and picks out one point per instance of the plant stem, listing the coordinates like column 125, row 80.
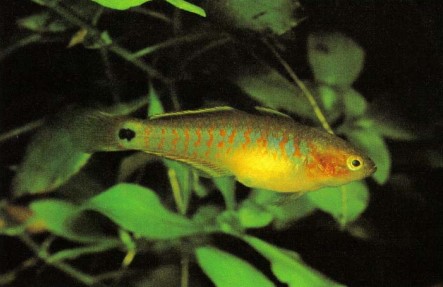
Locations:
column 116, row 49
column 11, row 276
column 153, row 14
column 112, row 84
column 21, row 130
column 184, row 280
column 176, row 192
column 34, row 38
column 71, row 271
column 321, row 117
column 169, row 43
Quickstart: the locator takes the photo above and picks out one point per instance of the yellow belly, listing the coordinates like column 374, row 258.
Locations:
column 268, row 170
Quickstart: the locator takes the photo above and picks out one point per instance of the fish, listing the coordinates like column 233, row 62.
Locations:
column 264, row 149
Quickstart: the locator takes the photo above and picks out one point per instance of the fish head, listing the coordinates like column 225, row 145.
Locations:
column 332, row 162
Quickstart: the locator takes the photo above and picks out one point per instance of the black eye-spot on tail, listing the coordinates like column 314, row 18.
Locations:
column 126, row 134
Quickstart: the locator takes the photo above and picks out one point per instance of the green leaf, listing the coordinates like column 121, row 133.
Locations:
column 121, row 5
column 91, row 41
column 370, row 141
column 335, row 59
column 186, row 6
column 207, row 215
column 226, row 185
column 63, row 219
column 272, row 90
column 328, row 97
column 198, row 187
column 284, row 208
column 254, row 216
column 139, row 210
column 226, row 270
column 180, row 176
column 80, row 187
column 126, row 4
column 43, row 23
column 155, row 105
column 345, row 203
column 51, row 158
column 229, row 222
column 393, row 127
column 61, row 148
column 288, row 267
column 291, row 210
column 277, row 16
column 355, row 104
column 132, row 163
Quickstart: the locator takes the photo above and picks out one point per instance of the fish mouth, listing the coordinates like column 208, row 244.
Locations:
column 372, row 169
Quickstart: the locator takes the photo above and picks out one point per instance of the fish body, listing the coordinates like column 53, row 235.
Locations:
column 264, row 150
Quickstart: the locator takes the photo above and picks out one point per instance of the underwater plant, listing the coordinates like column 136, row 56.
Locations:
column 111, row 190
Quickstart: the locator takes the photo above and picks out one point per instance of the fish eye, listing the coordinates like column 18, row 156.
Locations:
column 126, row 134
column 354, row 162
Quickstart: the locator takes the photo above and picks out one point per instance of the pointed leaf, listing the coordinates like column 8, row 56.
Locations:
column 64, row 220
column 132, row 163
column 272, row 90
column 345, row 203
column 155, row 105
column 335, row 59
column 61, row 148
column 121, row 5
column 227, row 270
column 226, row 185
column 254, row 216
column 43, row 22
column 80, row 187
column 284, row 208
column 186, row 6
column 328, row 97
column 392, row 127
column 288, row 267
column 139, row 210
column 277, row 16
column 51, row 159
column 355, row 104
column 180, row 177
column 15, row 219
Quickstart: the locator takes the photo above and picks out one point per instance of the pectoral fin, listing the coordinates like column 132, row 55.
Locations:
column 209, row 169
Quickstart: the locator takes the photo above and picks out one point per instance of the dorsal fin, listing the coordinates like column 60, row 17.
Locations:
column 271, row 112
column 194, row 112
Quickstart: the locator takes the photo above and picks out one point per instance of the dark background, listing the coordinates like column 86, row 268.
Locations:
column 403, row 72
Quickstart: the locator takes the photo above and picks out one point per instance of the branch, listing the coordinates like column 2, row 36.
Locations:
column 21, row 130
column 116, row 49
column 43, row 255
column 321, row 117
